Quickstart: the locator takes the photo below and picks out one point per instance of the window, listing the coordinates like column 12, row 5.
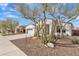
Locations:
column 59, row 29
column 47, row 28
column 64, row 31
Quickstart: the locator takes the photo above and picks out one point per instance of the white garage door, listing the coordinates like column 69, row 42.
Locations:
column 30, row 33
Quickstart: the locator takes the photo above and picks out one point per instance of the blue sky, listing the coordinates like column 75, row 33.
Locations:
column 7, row 11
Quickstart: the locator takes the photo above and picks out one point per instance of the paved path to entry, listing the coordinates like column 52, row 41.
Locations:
column 9, row 49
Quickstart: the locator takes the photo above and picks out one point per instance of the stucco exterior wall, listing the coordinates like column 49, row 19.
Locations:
column 50, row 25
column 68, row 28
column 48, row 21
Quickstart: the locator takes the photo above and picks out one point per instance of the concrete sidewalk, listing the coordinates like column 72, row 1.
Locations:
column 9, row 49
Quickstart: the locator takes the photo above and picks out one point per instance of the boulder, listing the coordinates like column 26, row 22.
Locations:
column 50, row 45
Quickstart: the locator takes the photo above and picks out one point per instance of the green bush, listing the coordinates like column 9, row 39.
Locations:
column 75, row 41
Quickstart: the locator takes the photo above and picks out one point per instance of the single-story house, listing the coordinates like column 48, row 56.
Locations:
column 30, row 29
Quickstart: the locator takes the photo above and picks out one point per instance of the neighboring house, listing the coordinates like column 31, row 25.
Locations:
column 20, row 29
column 30, row 29
column 75, row 32
column 17, row 30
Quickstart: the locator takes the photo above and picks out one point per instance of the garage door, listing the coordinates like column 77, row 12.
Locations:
column 30, row 33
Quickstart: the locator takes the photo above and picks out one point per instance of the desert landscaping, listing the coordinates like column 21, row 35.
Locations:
column 34, row 47
column 52, row 29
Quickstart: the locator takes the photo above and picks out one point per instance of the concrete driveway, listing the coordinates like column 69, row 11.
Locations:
column 13, row 37
column 9, row 49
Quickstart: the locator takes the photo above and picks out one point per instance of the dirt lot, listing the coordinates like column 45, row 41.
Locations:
column 34, row 47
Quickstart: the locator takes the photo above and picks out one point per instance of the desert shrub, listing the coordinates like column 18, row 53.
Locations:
column 3, row 34
column 45, row 41
column 75, row 41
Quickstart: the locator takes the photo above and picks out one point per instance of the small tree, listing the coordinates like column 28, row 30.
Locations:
column 56, row 11
column 61, row 10
column 30, row 14
column 8, row 24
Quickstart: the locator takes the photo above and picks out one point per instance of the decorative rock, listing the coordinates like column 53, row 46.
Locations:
column 50, row 45
column 45, row 45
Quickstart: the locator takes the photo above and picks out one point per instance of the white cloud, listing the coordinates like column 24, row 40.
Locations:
column 3, row 8
column 12, row 9
column 77, row 17
column 3, row 4
column 8, row 14
column 12, row 16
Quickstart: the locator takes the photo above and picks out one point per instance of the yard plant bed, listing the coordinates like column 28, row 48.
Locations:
column 34, row 47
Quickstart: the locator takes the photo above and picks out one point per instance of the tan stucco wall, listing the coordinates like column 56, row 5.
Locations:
column 48, row 21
